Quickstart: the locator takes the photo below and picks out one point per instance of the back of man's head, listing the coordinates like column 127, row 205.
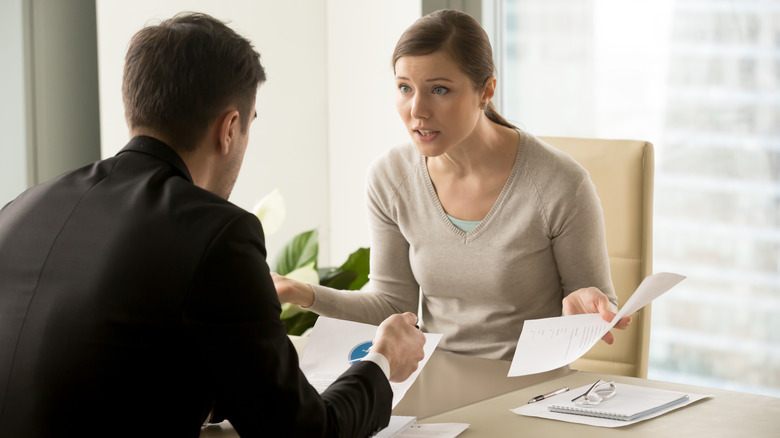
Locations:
column 180, row 74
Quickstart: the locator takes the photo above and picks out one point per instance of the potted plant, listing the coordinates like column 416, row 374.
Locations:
column 298, row 260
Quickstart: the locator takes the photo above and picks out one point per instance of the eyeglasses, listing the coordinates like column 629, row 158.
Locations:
column 596, row 394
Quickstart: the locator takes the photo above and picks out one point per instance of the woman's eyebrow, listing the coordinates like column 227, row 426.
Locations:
column 427, row 80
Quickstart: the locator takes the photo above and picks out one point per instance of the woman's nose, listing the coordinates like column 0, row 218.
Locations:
column 419, row 107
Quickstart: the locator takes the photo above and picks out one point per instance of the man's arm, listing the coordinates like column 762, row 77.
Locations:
column 234, row 315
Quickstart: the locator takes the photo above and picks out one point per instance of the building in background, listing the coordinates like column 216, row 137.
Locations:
column 718, row 198
column 701, row 81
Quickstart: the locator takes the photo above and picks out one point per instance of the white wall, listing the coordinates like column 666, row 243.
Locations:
column 326, row 110
column 361, row 106
column 288, row 141
column 13, row 148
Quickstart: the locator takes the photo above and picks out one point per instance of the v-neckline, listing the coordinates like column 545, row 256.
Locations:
column 470, row 235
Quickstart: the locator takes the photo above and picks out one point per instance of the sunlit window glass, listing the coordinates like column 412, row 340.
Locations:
column 701, row 81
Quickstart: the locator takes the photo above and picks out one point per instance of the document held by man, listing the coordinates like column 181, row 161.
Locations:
column 336, row 344
column 550, row 343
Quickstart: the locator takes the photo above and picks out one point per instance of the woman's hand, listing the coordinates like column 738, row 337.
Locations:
column 592, row 300
column 293, row 291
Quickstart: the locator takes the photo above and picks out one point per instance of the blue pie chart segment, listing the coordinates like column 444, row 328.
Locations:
column 359, row 351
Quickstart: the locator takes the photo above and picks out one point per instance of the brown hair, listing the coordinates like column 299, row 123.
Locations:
column 181, row 73
column 462, row 39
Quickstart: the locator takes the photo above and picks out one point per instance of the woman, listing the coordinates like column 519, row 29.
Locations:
column 480, row 223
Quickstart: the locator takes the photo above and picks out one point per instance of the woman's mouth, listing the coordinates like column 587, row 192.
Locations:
column 426, row 135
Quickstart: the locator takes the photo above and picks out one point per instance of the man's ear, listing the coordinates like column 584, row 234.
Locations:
column 229, row 128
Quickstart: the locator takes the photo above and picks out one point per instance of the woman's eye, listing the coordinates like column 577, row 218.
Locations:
column 404, row 88
column 440, row 90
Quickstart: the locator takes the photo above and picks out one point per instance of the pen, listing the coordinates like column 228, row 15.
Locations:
column 548, row 395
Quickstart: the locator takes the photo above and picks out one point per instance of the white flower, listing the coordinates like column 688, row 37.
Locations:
column 305, row 274
column 271, row 211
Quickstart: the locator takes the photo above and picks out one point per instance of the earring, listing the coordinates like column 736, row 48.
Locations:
column 482, row 107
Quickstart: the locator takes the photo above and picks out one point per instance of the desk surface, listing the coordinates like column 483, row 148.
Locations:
column 725, row 414
column 462, row 389
column 450, row 381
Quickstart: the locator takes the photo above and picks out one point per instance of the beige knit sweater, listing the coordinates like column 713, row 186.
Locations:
column 543, row 238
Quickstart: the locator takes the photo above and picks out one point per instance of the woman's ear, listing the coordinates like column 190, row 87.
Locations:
column 490, row 90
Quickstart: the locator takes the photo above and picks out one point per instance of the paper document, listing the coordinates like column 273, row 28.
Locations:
column 437, row 430
column 336, row 344
column 625, row 397
column 405, row 427
column 396, row 426
column 550, row 343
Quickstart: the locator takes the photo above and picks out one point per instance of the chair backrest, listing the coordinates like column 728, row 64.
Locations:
column 622, row 171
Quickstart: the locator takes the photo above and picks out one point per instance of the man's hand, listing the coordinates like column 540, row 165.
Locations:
column 592, row 300
column 401, row 343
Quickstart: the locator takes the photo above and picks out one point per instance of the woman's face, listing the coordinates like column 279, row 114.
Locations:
column 436, row 101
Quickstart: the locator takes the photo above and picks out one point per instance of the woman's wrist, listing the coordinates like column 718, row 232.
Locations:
column 307, row 296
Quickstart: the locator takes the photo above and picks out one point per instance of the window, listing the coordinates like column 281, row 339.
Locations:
column 701, row 81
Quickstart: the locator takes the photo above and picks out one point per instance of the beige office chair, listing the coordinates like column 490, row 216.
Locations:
column 622, row 171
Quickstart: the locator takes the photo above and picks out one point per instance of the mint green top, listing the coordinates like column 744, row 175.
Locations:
column 542, row 239
column 462, row 225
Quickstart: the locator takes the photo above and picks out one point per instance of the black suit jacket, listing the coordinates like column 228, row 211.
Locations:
column 131, row 301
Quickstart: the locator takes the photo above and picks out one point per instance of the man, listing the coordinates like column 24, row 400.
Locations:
column 134, row 297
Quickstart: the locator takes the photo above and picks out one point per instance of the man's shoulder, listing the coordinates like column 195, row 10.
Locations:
column 160, row 194
column 204, row 209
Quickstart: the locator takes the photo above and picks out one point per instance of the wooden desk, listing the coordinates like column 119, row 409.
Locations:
column 726, row 414
column 448, row 381
column 463, row 389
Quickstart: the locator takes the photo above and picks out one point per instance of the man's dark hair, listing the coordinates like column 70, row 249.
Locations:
column 181, row 73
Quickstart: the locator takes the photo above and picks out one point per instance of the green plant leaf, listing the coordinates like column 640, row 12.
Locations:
column 336, row 278
column 290, row 310
column 301, row 322
column 357, row 262
column 299, row 252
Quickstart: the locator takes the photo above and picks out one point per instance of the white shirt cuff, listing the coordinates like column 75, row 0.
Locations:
column 379, row 359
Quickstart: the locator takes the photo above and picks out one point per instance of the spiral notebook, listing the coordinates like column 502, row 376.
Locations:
column 629, row 403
